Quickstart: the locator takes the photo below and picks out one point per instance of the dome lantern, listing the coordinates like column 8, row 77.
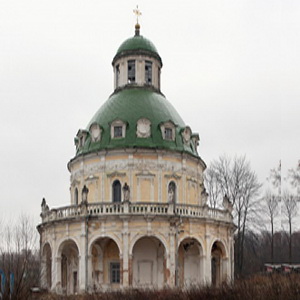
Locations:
column 137, row 62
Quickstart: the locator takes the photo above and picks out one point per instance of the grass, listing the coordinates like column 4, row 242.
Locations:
column 259, row 287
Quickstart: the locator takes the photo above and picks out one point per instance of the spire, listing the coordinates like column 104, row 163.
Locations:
column 138, row 13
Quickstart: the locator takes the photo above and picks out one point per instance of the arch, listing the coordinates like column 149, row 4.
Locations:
column 109, row 236
column 157, row 236
column 116, row 191
column 190, row 263
column 47, row 266
column 105, row 262
column 222, row 245
column 197, row 238
column 219, row 266
column 76, row 196
column 148, row 265
column 65, row 240
column 69, row 266
column 172, row 192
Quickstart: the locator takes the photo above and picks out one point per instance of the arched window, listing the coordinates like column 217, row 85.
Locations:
column 76, row 196
column 116, row 191
column 172, row 192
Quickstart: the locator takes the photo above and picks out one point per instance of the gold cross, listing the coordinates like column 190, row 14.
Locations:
column 138, row 13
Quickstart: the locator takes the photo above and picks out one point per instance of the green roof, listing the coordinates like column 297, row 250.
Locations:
column 129, row 105
column 137, row 43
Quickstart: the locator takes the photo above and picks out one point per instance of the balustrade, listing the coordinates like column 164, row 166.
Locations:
column 136, row 208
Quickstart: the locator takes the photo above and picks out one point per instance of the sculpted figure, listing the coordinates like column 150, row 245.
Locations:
column 171, row 195
column 126, row 192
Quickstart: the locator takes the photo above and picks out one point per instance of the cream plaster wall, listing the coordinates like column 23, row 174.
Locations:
column 147, row 175
column 125, row 232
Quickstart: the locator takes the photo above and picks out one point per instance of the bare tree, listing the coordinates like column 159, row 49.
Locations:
column 213, row 187
column 271, row 209
column 294, row 176
column 290, row 211
column 236, row 180
column 275, row 178
column 19, row 258
column 272, row 200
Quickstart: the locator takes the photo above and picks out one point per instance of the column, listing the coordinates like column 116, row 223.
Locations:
column 125, row 256
column 82, row 259
column 56, row 275
column 172, row 259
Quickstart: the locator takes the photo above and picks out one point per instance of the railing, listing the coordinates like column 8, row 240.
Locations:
column 136, row 208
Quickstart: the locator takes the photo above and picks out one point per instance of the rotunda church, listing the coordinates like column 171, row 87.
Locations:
column 138, row 214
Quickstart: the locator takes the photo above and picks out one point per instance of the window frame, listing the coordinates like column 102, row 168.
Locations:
column 148, row 72
column 168, row 126
column 117, row 123
column 116, row 194
column 131, row 71
column 115, row 272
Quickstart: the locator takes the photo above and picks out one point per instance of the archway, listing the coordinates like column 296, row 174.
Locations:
column 69, row 267
column 148, row 263
column 47, row 266
column 218, row 268
column 106, row 263
column 189, row 262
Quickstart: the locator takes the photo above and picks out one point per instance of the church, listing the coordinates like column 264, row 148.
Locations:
column 138, row 214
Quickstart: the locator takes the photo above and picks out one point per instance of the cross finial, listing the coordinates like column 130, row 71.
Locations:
column 138, row 13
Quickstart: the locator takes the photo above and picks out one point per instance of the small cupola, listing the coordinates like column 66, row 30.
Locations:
column 137, row 63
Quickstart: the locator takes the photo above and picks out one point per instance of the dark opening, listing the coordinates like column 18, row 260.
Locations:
column 148, row 72
column 131, row 71
column 116, row 191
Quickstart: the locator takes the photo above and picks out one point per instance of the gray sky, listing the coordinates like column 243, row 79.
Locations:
column 231, row 69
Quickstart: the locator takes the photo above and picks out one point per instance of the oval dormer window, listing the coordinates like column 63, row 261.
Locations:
column 95, row 132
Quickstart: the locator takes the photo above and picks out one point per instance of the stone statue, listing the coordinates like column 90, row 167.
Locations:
column 171, row 195
column 45, row 207
column 227, row 204
column 126, row 192
column 204, row 196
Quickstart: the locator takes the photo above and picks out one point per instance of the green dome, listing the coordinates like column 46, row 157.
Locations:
column 137, row 43
column 129, row 105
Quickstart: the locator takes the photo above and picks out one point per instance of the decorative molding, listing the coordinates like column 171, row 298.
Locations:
column 143, row 129
column 191, row 179
column 174, row 175
column 75, row 182
column 95, row 132
column 116, row 174
column 145, row 173
column 92, row 178
column 186, row 135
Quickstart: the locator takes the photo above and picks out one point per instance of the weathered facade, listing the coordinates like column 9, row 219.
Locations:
column 138, row 214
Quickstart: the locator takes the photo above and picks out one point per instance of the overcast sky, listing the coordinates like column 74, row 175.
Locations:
column 231, row 69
